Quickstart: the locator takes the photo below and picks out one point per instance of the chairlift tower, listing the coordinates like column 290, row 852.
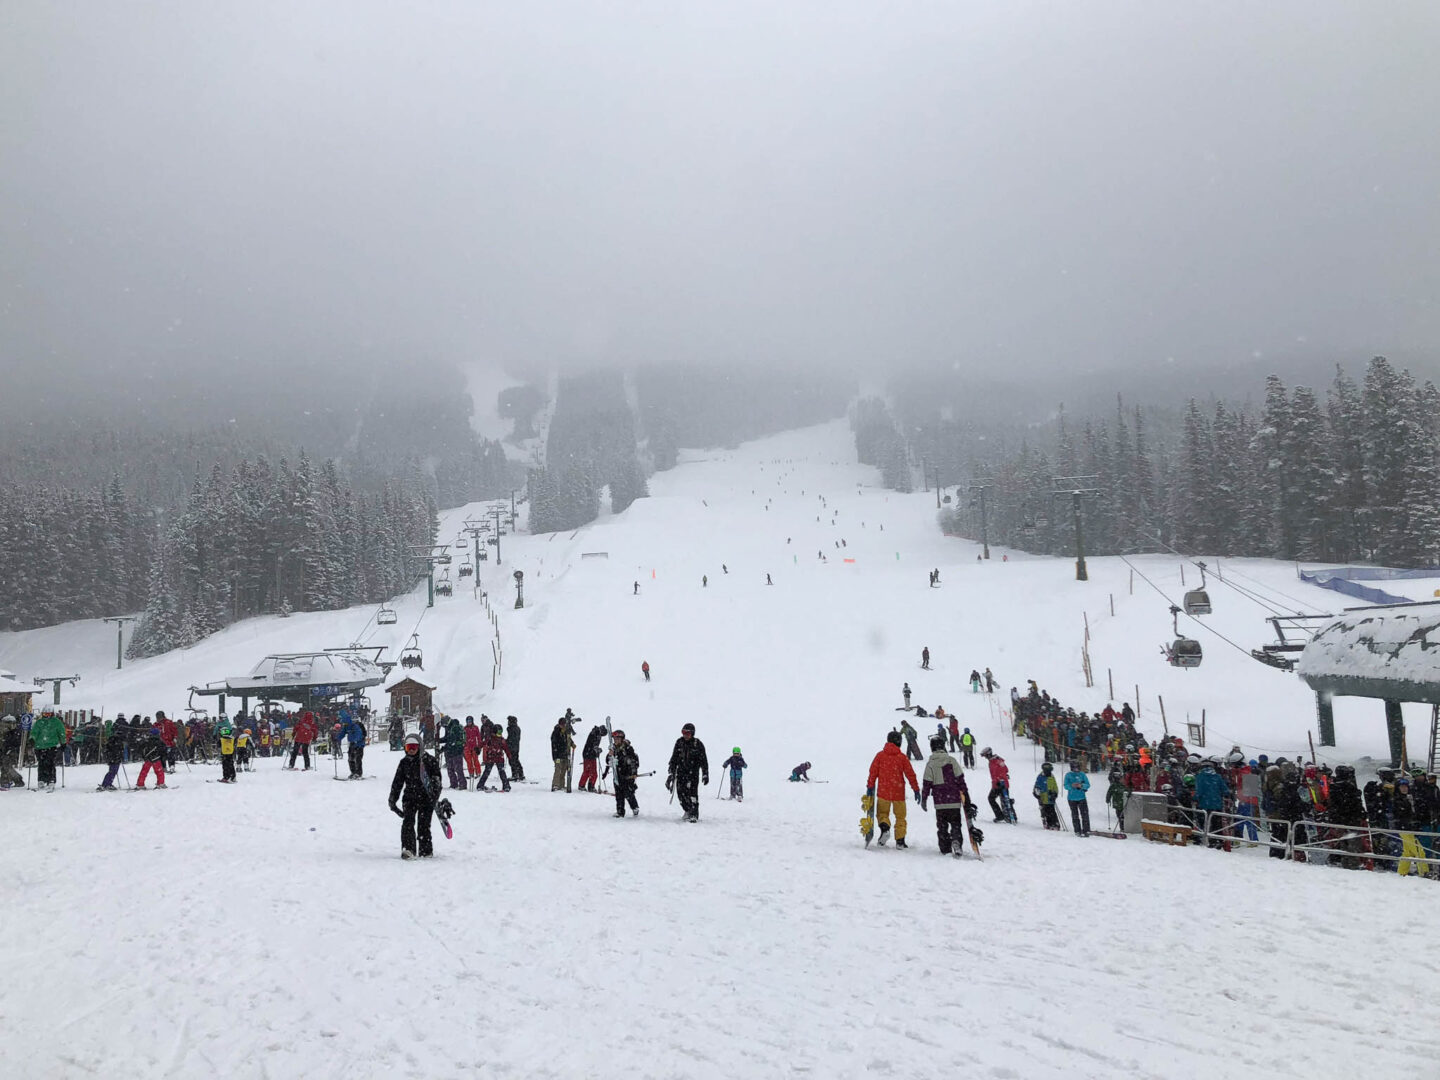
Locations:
column 1078, row 488
column 434, row 555
column 55, row 681
column 120, row 621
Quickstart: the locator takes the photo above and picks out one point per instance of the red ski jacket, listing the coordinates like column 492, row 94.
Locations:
column 305, row 730
column 999, row 773
column 889, row 772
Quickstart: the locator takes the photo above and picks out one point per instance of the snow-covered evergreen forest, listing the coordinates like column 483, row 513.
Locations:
column 1346, row 474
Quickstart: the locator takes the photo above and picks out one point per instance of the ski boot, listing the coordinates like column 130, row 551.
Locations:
column 900, row 843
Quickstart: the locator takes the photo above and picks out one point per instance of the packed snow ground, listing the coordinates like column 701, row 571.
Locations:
column 270, row 929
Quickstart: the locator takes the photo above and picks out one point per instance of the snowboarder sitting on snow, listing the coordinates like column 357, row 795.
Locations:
column 890, row 770
column 1045, row 792
column 416, row 786
column 945, row 780
column 591, row 755
column 736, row 764
column 921, row 711
column 625, row 763
column 801, row 772
column 688, row 764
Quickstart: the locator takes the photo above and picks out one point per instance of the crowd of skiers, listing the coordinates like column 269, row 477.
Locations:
column 1312, row 811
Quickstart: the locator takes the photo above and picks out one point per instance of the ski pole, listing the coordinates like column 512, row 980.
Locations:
column 126, row 775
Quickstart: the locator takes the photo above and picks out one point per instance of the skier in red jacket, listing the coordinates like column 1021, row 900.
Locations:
column 889, row 772
column 305, row 732
column 1000, row 800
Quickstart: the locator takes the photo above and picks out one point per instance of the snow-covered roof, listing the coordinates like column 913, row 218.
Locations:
column 9, row 685
column 1393, row 655
column 342, row 670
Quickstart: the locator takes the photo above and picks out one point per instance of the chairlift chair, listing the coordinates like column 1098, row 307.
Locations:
column 466, row 568
column 411, row 656
column 386, row 616
column 442, row 559
column 443, row 586
column 1197, row 601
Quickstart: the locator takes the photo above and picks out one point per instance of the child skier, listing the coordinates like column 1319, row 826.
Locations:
column 1045, row 792
column 1115, row 796
column 736, row 764
column 226, row 734
column 242, row 750
column 801, row 772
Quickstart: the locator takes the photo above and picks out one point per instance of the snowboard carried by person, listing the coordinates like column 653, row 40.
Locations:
column 867, row 823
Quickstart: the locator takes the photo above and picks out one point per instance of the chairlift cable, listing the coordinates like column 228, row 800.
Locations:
column 1181, row 610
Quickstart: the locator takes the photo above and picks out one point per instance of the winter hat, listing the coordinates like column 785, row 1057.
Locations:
column 893, row 738
column 412, row 739
column 937, row 742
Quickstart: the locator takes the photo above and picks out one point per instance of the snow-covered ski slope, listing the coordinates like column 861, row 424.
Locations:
column 270, row 929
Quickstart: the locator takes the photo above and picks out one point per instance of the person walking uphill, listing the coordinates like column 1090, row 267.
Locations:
column 416, row 788
column 625, row 764
column 562, row 751
column 46, row 735
column 688, row 764
column 967, row 749
column 890, row 771
column 1076, row 785
column 912, row 745
column 945, row 780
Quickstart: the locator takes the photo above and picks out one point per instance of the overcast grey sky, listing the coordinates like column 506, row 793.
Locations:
column 1021, row 184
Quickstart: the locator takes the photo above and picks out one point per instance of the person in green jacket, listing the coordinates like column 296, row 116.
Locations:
column 46, row 735
column 1046, row 790
column 1115, row 796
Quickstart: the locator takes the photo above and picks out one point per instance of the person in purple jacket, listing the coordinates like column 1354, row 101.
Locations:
column 945, row 780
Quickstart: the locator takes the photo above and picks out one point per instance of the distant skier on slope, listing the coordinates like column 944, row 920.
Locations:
column 645, row 669
column 967, row 746
column 905, row 692
column 801, row 773
column 688, row 764
column 417, row 787
column 925, row 658
column 912, row 745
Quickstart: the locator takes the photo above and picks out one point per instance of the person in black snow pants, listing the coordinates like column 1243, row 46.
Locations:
column 688, row 765
column 416, row 786
column 625, row 763
column 512, row 740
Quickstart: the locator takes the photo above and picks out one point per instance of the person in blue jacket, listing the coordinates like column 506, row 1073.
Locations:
column 1076, row 785
column 1210, row 792
column 352, row 729
column 736, row 764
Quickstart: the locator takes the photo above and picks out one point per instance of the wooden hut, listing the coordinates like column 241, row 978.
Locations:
column 410, row 697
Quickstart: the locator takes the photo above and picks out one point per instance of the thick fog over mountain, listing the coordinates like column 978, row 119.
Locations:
column 847, row 187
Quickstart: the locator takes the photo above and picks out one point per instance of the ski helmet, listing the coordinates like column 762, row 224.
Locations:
column 688, row 729
column 1047, row 767
column 618, row 735
column 735, row 750
column 987, row 752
